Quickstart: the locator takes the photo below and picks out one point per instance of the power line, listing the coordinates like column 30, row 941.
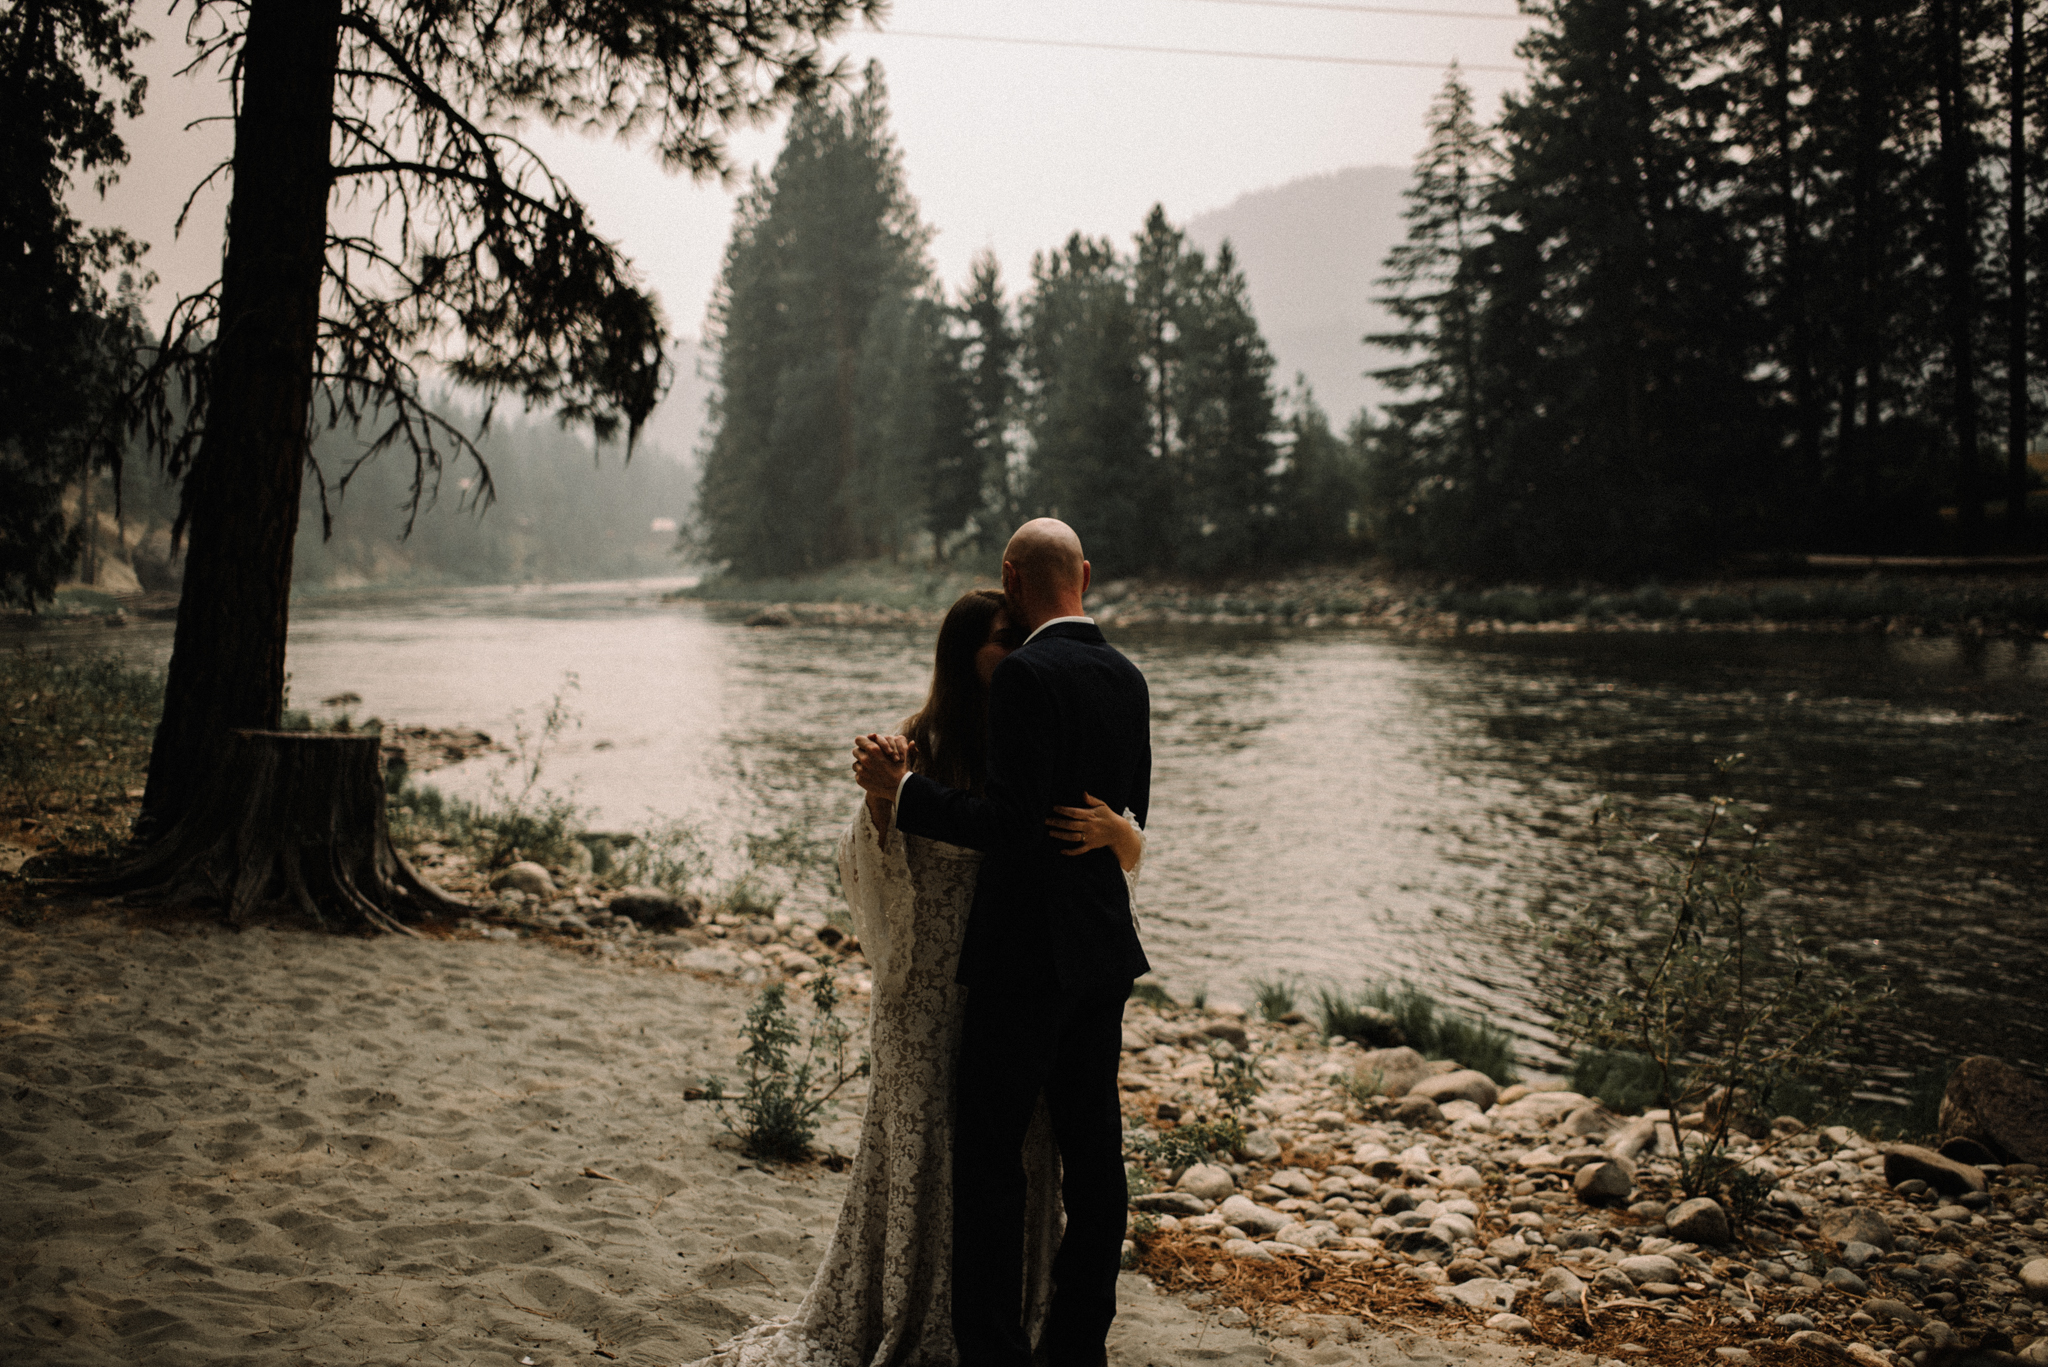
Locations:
column 1332, row 6
column 1196, row 51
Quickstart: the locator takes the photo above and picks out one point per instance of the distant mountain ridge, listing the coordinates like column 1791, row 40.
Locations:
column 1311, row 250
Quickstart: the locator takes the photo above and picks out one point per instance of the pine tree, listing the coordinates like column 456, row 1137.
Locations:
column 1223, row 421
column 1628, row 440
column 1085, row 408
column 1429, row 496
column 66, row 344
column 826, row 260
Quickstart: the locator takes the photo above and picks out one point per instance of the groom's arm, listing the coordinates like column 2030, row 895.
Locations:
column 1009, row 817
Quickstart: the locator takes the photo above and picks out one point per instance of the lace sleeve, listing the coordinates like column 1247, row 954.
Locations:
column 1131, row 873
column 876, row 883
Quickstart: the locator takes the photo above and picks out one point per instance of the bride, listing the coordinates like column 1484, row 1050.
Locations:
column 883, row 1293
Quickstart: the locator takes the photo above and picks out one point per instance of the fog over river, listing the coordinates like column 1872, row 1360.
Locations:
column 1338, row 805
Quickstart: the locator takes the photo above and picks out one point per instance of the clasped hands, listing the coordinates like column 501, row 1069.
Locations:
column 880, row 762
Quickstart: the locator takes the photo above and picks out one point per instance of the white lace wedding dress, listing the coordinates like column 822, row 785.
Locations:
column 883, row 1293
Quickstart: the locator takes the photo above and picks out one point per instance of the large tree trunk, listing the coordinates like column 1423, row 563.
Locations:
column 242, row 495
column 294, row 818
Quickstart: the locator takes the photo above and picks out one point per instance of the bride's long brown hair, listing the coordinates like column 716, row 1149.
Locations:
column 951, row 729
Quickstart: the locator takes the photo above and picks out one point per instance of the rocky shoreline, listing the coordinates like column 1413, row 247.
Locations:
column 1374, row 1188
column 1898, row 603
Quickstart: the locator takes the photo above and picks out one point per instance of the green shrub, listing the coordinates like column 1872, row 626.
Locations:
column 1618, row 1079
column 777, row 1111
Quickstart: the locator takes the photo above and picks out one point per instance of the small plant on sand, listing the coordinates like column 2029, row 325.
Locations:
column 667, row 855
column 1189, row 1142
column 776, row 1113
column 1720, row 1006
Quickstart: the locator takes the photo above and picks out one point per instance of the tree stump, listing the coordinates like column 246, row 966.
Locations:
column 295, row 817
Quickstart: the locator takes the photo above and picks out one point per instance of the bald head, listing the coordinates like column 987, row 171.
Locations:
column 1043, row 571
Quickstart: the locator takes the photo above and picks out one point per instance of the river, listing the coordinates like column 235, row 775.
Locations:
column 1335, row 805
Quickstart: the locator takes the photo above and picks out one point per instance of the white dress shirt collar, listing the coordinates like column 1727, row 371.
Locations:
column 1055, row 622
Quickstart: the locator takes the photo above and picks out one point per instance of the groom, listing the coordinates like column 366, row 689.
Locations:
column 1048, row 958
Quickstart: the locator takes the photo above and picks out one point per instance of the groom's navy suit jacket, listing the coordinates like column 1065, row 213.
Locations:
column 1067, row 715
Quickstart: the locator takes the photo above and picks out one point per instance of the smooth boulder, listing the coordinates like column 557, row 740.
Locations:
column 1391, row 1071
column 1990, row 1101
column 2034, row 1278
column 525, row 876
column 1604, row 1183
column 1208, row 1181
column 1698, row 1221
column 1907, row 1162
column 1856, row 1225
column 1467, row 1084
column 1251, row 1217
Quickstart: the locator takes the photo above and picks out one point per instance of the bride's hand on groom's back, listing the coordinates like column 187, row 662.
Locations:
column 1095, row 826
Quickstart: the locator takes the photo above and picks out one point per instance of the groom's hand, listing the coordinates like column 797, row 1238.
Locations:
column 880, row 762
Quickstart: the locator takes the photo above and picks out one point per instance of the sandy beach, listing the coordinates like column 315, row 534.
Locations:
column 283, row 1147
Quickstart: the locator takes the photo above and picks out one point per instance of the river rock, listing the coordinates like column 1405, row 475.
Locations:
column 1560, row 1278
column 1249, row 1251
column 1259, row 1146
column 774, row 615
column 1510, row 1324
column 1842, row 1279
column 2035, row 1354
column 1251, row 1217
column 1170, row 1203
column 526, row 877
column 1535, row 1110
column 1907, row 1162
column 1481, row 1293
column 658, row 910
column 2034, row 1278
column 712, row 959
column 1427, row 1243
column 1990, row 1101
column 1650, row 1267
column 1884, row 1308
column 1698, row 1221
column 1589, row 1122
column 1855, row 1253
column 1230, row 1031
column 1417, row 1112
column 1946, row 1264
column 1391, row 1071
column 1604, row 1183
column 1509, row 1250
column 1207, row 1181
column 1794, row 1321
column 1467, row 1084
column 1856, row 1225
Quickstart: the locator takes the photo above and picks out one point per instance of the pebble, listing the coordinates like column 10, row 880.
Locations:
column 1481, row 1293
column 1649, row 1267
column 1511, row 1324
column 1246, row 1249
column 524, row 877
column 1793, row 1321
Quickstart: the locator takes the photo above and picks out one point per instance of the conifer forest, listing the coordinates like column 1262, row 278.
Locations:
column 1723, row 280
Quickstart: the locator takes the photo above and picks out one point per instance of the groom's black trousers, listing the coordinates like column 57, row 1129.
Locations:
column 1013, row 1046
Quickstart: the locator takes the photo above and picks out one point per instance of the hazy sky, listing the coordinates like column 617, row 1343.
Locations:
column 1008, row 146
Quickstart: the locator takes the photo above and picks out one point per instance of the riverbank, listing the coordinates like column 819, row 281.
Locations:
column 2002, row 601
column 280, row 1147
